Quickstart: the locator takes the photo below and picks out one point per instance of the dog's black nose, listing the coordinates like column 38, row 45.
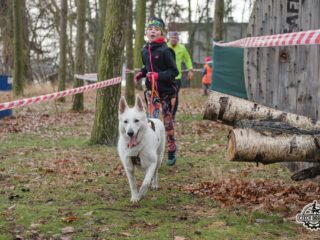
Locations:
column 130, row 133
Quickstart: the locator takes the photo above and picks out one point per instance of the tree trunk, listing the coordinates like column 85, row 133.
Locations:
column 63, row 47
column 218, row 20
column 191, row 30
column 139, row 36
column 18, row 66
column 6, row 23
column 231, row 109
column 92, row 36
column 80, row 53
column 70, row 47
column 104, row 129
column 247, row 145
column 102, row 20
column 28, row 73
column 152, row 8
column 130, row 91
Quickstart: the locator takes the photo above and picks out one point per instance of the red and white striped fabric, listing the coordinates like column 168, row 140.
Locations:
column 68, row 92
column 311, row 37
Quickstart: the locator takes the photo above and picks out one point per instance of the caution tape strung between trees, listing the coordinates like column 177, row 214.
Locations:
column 311, row 37
column 56, row 95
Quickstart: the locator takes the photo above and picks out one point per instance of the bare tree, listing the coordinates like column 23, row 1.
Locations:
column 92, row 35
column 152, row 8
column 104, row 130
column 6, row 37
column 63, row 47
column 218, row 20
column 228, row 8
column 80, row 53
column 130, row 90
column 18, row 67
column 139, row 35
column 203, row 12
column 102, row 20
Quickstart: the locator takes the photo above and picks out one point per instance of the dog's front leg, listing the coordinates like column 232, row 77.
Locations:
column 154, row 184
column 147, row 179
column 132, row 183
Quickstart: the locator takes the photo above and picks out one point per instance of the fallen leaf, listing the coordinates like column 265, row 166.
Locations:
column 70, row 218
column 88, row 213
column 179, row 238
column 67, row 230
column 126, row 234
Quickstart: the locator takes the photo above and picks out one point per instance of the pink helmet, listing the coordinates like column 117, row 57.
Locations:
column 208, row 59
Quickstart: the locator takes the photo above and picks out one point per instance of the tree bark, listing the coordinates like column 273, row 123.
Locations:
column 139, row 36
column 247, row 145
column 63, row 47
column 19, row 51
column 92, row 21
column 130, row 90
column 104, row 130
column 152, row 8
column 191, row 30
column 70, row 44
column 6, row 27
column 80, row 53
column 102, row 20
column 218, row 20
column 230, row 110
column 28, row 72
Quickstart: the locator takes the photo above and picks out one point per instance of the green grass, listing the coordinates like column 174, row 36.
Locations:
column 47, row 177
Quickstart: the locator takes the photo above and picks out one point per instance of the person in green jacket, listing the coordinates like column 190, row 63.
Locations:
column 181, row 55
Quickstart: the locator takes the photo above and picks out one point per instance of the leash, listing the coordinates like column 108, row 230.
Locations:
column 154, row 89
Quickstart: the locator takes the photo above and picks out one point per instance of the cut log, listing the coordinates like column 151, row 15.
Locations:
column 230, row 109
column 248, row 145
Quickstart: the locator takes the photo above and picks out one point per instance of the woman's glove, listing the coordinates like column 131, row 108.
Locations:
column 153, row 76
column 138, row 76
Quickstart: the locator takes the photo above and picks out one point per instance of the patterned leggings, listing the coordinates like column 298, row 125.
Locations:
column 166, row 103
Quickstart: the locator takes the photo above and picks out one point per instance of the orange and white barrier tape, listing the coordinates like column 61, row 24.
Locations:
column 68, row 92
column 311, row 37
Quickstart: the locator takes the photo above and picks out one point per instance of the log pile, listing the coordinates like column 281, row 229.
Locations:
column 265, row 135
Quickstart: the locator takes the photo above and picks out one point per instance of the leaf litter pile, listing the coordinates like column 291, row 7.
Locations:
column 258, row 194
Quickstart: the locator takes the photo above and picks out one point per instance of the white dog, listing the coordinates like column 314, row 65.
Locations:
column 140, row 145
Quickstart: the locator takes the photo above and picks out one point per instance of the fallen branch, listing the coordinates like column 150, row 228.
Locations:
column 311, row 172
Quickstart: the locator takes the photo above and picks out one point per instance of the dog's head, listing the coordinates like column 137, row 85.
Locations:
column 132, row 121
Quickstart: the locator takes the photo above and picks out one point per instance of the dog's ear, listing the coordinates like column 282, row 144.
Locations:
column 139, row 104
column 122, row 105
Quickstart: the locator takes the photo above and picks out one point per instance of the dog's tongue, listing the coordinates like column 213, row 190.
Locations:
column 133, row 142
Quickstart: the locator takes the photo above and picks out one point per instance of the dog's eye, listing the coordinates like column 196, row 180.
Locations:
column 125, row 121
column 136, row 120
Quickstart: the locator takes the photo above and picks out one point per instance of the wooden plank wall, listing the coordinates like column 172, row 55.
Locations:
column 286, row 78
